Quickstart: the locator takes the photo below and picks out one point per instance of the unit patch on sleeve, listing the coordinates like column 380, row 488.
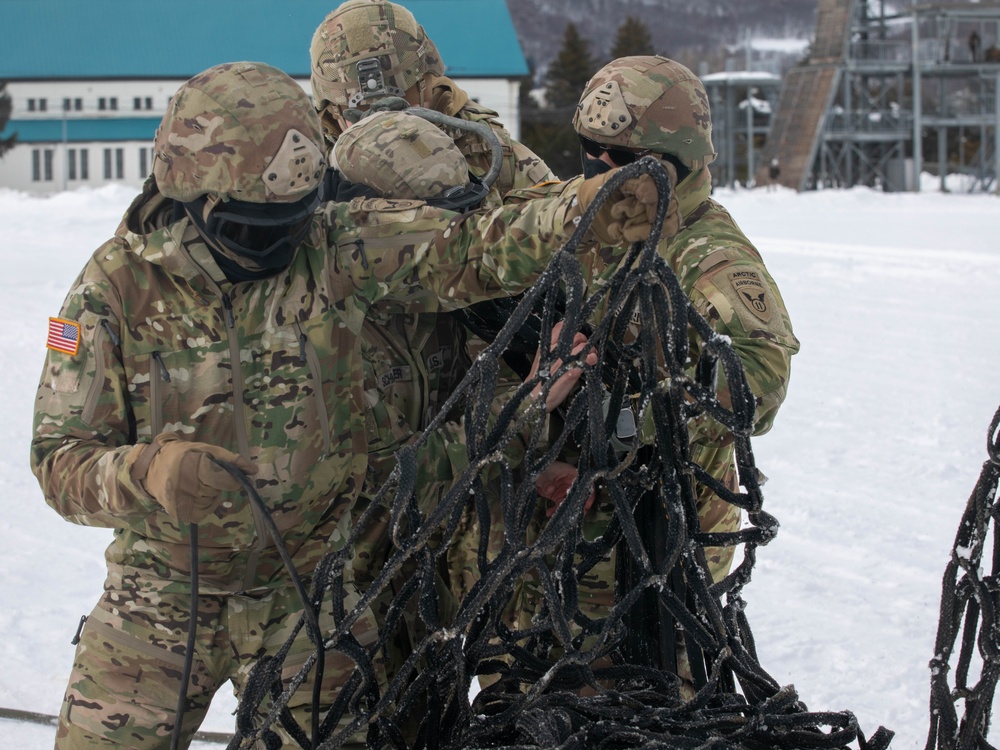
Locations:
column 64, row 336
column 752, row 291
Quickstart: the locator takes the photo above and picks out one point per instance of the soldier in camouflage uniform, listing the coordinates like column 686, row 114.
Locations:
column 363, row 52
column 642, row 105
column 402, row 156
column 222, row 324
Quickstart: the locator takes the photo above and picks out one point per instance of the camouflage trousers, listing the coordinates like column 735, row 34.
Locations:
column 128, row 667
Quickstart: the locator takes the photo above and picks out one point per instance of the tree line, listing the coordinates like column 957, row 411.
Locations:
column 547, row 127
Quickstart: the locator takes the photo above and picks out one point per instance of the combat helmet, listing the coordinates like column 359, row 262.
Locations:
column 647, row 104
column 399, row 154
column 364, row 50
column 241, row 148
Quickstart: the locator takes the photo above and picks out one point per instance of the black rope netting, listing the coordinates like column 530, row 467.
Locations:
column 570, row 679
column 970, row 606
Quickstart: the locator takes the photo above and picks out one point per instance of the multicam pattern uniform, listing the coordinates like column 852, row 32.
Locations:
column 724, row 276
column 271, row 370
column 414, row 361
column 405, row 354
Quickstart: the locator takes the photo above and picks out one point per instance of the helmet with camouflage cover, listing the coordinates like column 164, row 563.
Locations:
column 364, row 50
column 241, row 148
column 402, row 155
column 648, row 103
column 242, row 131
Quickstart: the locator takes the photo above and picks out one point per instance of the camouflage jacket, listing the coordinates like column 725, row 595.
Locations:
column 413, row 362
column 269, row 369
column 725, row 278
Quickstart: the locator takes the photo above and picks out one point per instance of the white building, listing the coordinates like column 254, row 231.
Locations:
column 88, row 90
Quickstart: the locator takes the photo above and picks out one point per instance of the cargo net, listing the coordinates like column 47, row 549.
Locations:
column 569, row 680
column 970, row 608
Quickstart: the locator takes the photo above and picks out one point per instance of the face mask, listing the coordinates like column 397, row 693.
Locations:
column 259, row 238
column 594, row 167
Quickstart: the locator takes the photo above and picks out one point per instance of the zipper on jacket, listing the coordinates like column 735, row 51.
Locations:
column 111, row 332
column 243, row 439
column 309, row 355
column 227, row 306
column 156, row 381
column 97, row 384
column 163, row 368
column 361, row 251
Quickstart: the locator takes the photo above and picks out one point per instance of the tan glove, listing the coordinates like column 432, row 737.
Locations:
column 627, row 215
column 181, row 476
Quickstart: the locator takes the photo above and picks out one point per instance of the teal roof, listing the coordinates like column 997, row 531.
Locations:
column 102, row 39
column 77, row 130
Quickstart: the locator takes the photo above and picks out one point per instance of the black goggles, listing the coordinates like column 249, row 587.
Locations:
column 256, row 230
column 620, row 156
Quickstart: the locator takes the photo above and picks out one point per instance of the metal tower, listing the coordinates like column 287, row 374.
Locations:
column 880, row 89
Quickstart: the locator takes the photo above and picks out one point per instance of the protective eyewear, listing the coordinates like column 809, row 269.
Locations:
column 620, row 156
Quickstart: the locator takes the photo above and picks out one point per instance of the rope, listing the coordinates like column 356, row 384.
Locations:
column 569, row 680
column 970, row 602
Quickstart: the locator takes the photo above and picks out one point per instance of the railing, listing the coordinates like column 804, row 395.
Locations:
column 856, row 121
column 880, row 51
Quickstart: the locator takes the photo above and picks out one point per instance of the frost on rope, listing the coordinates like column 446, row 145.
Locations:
column 569, row 680
column 961, row 705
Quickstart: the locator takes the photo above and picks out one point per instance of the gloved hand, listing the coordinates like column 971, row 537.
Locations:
column 627, row 215
column 181, row 476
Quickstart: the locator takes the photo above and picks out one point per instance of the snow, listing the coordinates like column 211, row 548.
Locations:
column 871, row 459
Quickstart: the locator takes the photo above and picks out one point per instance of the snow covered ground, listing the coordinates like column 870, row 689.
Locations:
column 894, row 297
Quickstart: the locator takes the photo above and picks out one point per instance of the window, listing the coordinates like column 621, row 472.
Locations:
column 71, row 164
column 47, row 163
column 66, row 104
column 84, row 166
column 149, row 102
column 119, row 163
column 36, row 165
column 107, row 164
column 43, row 105
column 143, row 162
column 113, row 102
column 31, row 105
column 136, row 102
column 78, row 104
column 102, row 103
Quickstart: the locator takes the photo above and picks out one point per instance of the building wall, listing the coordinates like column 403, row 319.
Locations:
column 52, row 166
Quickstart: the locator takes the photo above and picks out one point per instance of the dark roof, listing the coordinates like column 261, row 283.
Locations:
column 115, row 39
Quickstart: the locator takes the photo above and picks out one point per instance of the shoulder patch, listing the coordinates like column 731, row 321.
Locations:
column 64, row 336
column 752, row 291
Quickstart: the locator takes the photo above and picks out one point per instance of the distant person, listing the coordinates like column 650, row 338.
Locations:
column 975, row 45
column 773, row 173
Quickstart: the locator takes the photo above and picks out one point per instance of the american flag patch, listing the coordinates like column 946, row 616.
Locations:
column 64, row 336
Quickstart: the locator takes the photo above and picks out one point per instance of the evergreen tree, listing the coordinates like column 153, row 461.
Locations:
column 524, row 86
column 6, row 144
column 570, row 71
column 633, row 38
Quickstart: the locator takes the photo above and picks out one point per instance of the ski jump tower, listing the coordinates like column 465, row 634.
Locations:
column 878, row 90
